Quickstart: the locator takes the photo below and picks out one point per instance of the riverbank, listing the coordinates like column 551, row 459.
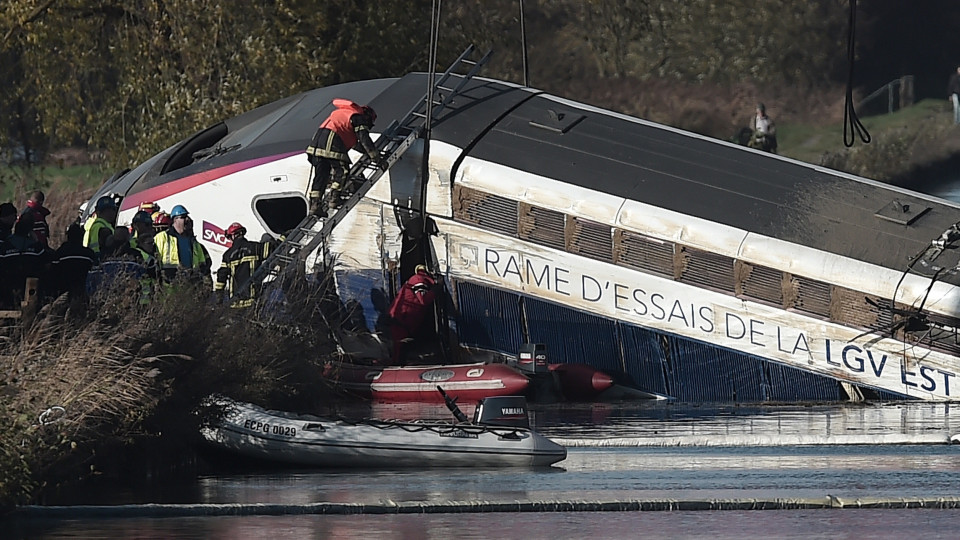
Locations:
column 87, row 392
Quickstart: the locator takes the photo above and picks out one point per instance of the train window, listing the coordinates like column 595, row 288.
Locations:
column 198, row 142
column 281, row 214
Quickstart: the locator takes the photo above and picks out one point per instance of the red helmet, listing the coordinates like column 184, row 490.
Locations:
column 236, row 229
column 162, row 219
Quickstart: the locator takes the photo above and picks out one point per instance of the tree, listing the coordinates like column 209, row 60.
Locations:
column 134, row 77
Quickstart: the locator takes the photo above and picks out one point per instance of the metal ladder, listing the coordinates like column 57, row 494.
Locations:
column 312, row 232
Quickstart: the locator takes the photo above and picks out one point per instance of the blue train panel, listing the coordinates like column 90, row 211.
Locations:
column 643, row 358
column 489, row 318
column 791, row 384
column 572, row 336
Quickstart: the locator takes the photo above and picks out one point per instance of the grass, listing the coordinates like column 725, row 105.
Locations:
column 16, row 181
column 927, row 121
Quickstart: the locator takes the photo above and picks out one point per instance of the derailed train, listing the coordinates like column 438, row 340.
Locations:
column 697, row 269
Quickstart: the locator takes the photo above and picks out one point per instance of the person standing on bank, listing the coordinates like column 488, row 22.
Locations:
column 239, row 262
column 346, row 126
column 8, row 216
column 764, row 131
column 178, row 250
column 101, row 228
column 38, row 213
column 953, row 93
column 72, row 263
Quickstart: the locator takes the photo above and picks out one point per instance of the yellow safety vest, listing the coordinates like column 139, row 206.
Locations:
column 91, row 238
column 169, row 257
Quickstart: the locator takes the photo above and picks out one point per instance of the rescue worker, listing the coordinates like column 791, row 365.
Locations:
column 347, row 125
column 101, row 228
column 71, row 265
column 126, row 259
column 8, row 216
column 22, row 257
column 161, row 221
column 149, row 207
column 141, row 232
column 38, row 213
column 178, row 250
column 239, row 262
column 409, row 308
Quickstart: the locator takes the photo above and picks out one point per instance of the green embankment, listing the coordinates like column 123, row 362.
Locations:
column 912, row 138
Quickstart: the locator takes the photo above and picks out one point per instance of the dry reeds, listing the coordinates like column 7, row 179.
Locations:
column 73, row 384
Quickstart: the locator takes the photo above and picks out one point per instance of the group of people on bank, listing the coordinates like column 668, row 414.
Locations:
column 157, row 248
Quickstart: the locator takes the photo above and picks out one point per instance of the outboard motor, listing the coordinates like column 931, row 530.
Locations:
column 532, row 358
column 508, row 411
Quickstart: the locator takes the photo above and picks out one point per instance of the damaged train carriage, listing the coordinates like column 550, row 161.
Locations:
column 696, row 268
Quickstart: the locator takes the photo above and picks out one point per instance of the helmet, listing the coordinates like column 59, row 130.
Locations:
column 420, row 268
column 105, row 203
column 761, row 107
column 368, row 110
column 236, row 229
column 179, row 210
column 161, row 219
column 149, row 207
column 142, row 216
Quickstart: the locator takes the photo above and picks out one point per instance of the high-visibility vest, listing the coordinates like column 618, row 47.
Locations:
column 168, row 255
column 91, row 238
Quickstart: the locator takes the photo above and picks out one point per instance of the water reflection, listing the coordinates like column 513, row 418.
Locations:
column 595, row 473
column 733, row 525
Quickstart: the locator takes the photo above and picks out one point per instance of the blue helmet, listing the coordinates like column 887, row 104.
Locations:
column 179, row 210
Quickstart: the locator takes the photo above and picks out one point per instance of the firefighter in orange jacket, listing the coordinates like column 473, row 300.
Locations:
column 409, row 308
column 346, row 126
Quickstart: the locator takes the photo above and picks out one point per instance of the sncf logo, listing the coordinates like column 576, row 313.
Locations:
column 216, row 235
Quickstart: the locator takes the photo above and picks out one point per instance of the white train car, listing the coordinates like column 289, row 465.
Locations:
column 695, row 268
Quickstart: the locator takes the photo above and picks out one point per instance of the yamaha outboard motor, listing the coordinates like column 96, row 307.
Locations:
column 502, row 411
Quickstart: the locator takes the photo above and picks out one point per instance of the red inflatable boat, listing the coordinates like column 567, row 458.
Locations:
column 466, row 382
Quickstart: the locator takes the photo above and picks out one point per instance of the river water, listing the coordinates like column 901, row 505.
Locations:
column 617, row 453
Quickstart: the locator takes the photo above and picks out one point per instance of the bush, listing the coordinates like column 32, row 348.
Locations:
column 76, row 384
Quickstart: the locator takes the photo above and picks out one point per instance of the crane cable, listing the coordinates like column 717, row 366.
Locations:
column 851, row 123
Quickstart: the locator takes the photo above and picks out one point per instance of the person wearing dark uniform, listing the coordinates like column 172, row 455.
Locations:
column 346, row 126
column 38, row 213
column 141, row 232
column 239, row 261
column 409, row 308
column 8, row 216
column 71, row 266
column 21, row 257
